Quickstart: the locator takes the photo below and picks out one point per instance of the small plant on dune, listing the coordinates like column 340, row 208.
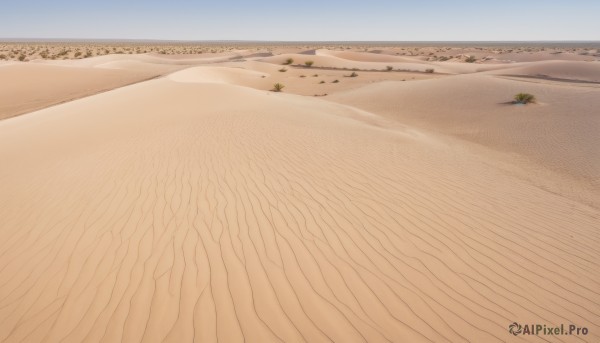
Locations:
column 470, row 59
column 524, row 98
column 309, row 63
column 430, row 70
column 2, row 57
column 335, row 81
column 321, row 82
column 316, row 75
column 282, row 70
column 354, row 74
column 289, row 61
column 21, row 58
column 302, row 75
column 389, row 68
column 278, row 87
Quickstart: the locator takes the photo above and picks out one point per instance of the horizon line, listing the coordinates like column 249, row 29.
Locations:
column 22, row 39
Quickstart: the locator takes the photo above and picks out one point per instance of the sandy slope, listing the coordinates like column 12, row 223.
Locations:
column 558, row 133
column 28, row 87
column 194, row 208
column 565, row 70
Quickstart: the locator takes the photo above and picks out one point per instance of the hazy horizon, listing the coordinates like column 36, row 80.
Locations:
column 309, row 21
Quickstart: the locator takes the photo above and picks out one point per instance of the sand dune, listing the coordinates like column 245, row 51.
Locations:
column 365, row 56
column 34, row 86
column 330, row 61
column 576, row 71
column 200, row 207
column 558, row 133
column 226, row 75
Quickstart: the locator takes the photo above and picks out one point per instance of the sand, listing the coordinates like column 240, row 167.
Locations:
column 201, row 206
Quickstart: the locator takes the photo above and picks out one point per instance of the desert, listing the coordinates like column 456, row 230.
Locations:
column 299, row 192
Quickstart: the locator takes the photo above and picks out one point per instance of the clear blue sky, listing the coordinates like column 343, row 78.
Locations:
column 312, row 20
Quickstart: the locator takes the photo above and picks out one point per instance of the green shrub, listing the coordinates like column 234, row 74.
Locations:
column 288, row 61
column 278, row 87
column 524, row 98
column 309, row 63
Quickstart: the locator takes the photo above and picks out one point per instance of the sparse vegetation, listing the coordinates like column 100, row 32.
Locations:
column 389, row 68
column 524, row 98
column 321, row 82
column 309, row 63
column 282, row 70
column 316, row 75
column 288, row 61
column 471, row 59
column 21, row 57
column 278, row 87
column 354, row 74
column 430, row 70
column 335, row 81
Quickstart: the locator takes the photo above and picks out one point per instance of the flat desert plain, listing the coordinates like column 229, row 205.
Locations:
column 384, row 194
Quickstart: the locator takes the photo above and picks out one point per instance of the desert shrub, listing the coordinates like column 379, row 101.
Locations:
column 429, row 70
column 524, row 98
column 21, row 58
column 316, row 75
column 2, row 57
column 282, row 70
column 78, row 53
column 335, row 81
column 309, row 63
column 322, row 81
column 443, row 58
column 389, row 68
column 278, row 87
column 470, row 59
column 288, row 61
column 303, row 76
column 354, row 74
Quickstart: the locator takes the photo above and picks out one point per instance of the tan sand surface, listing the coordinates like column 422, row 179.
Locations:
column 33, row 86
column 200, row 206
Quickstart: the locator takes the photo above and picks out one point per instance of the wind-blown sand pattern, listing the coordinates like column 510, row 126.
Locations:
column 200, row 207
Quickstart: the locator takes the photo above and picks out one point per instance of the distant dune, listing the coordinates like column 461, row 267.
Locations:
column 388, row 206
